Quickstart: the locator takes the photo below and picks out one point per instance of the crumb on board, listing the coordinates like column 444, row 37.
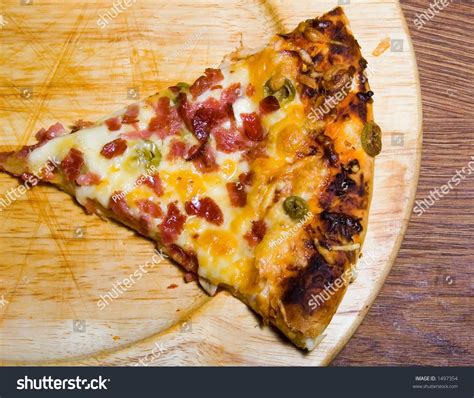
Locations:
column 172, row 286
column 383, row 46
column 116, row 338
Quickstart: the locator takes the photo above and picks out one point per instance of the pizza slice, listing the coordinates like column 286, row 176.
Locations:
column 256, row 178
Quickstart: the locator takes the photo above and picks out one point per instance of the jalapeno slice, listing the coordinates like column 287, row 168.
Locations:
column 295, row 207
column 284, row 94
column 371, row 139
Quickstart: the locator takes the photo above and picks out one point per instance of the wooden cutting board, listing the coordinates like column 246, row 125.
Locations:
column 58, row 63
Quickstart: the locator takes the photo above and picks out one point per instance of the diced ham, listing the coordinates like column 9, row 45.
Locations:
column 80, row 124
column 119, row 207
column 178, row 149
column 250, row 90
column 114, row 148
column 256, row 234
column 149, row 207
column 268, row 105
column 88, row 179
column 237, row 194
column 230, row 94
column 172, row 225
column 246, row 178
column 210, row 78
column 131, row 114
column 205, row 208
column 53, row 131
column 204, row 159
column 185, row 110
column 114, row 123
column 155, row 183
column 167, row 121
column 229, row 140
column 72, row 163
column 252, row 126
column 202, row 123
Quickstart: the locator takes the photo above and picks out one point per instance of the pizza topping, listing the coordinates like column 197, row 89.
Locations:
column 203, row 158
column 256, row 234
column 205, row 208
column 228, row 140
column 147, row 154
column 210, row 78
column 246, row 178
column 155, row 183
column 250, row 90
column 328, row 149
column 365, row 97
column 269, row 104
column 372, row 139
column 177, row 150
column 342, row 184
column 131, row 114
column 252, row 126
column 341, row 224
column 53, row 131
column 184, row 109
column 202, row 123
column 88, row 179
column 149, row 207
column 114, row 148
column 237, row 194
column 172, row 225
column 72, row 164
column 119, row 207
column 336, row 77
column 114, row 123
column 352, row 167
column 230, row 94
column 281, row 88
column 295, row 207
column 80, row 124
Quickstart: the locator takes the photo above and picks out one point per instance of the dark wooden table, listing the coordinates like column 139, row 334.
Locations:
column 424, row 313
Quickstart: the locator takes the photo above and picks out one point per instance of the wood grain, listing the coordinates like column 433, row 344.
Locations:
column 56, row 262
column 424, row 313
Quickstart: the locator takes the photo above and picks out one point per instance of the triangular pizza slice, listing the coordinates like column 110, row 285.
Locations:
column 257, row 177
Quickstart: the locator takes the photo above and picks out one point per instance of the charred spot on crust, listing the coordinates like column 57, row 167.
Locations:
column 328, row 149
column 360, row 108
column 340, row 224
column 365, row 96
column 363, row 63
column 336, row 11
column 310, row 281
column 187, row 259
column 342, row 184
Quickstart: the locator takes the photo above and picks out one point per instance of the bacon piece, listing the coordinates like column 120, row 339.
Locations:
column 228, row 140
column 210, row 78
column 268, row 105
column 166, row 122
column 72, row 163
column 190, row 277
column 205, row 208
column 252, row 126
column 155, row 183
column 88, row 179
column 177, row 150
column 184, row 109
column 202, row 123
column 246, row 178
column 172, row 225
column 114, row 123
column 187, row 259
column 131, row 114
column 114, row 148
column 53, row 131
column 149, row 207
column 204, row 159
column 230, row 94
column 250, row 90
column 119, row 207
column 80, row 124
column 237, row 194
column 256, row 234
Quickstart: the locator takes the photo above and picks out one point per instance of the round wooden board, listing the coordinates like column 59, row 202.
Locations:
column 56, row 263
